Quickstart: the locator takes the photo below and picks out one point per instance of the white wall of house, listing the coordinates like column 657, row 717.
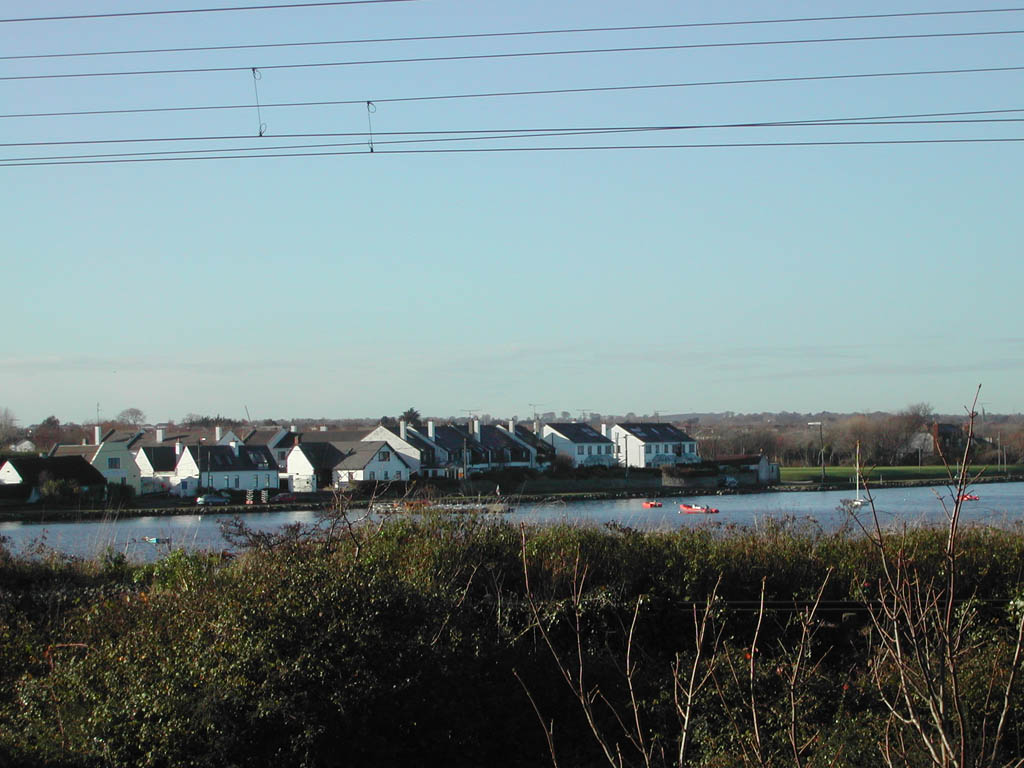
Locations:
column 301, row 473
column 117, row 464
column 582, row 454
column 409, row 452
column 9, row 475
column 385, row 466
column 186, row 480
column 151, row 481
column 633, row 452
column 510, row 431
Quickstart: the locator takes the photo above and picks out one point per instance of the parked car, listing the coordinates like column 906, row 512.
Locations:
column 284, row 498
column 210, row 499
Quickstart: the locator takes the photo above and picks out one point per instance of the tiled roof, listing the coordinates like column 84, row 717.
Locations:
column 87, row 452
column 578, row 432
column 656, row 433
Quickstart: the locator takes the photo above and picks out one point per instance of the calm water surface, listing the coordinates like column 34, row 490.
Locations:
column 1000, row 504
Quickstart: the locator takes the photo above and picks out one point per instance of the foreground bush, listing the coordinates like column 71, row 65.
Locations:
column 469, row 642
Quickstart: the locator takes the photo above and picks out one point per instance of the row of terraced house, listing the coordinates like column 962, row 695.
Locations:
column 181, row 461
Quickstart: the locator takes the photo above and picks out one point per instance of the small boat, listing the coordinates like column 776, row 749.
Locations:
column 157, row 539
column 968, row 497
column 857, row 502
column 649, row 504
column 693, row 509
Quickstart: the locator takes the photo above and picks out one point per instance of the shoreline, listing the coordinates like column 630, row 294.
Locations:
column 37, row 514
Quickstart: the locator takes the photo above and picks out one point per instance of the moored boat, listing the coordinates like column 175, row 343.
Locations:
column 649, row 504
column 693, row 509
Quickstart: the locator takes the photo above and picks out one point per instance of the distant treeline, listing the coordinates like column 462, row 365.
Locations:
column 464, row 641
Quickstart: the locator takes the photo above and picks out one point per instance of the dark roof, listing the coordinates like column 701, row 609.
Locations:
column 85, row 451
column 741, row 459
column 58, row 467
column 222, row 458
column 163, row 458
column 316, row 436
column 322, row 455
column 578, row 432
column 661, row 432
column 260, row 435
column 527, row 436
column 454, row 437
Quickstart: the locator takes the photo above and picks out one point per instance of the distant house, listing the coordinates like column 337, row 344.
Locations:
column 157, row 467
column 32, row 472
column 317, row 466
column 233, row 467
column 415, row 450
column 651, row 444
column 748, row 469
column 111, row 453
column 22, row 446
column 583, row 444
column 544, row 453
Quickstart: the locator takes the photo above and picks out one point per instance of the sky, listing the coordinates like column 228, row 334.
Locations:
column 709, row 265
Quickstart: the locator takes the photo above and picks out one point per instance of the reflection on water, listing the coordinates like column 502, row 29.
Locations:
column 999, row 504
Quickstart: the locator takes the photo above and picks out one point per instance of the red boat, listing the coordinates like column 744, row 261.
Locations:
column 693, row 509
column 968, row 497
column 651, row 504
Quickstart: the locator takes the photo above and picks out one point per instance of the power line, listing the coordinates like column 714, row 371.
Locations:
column 533, row 92
column 476, row 134
column 279, row 6
column 482, row 35
column 18, row 163
column 512, row 55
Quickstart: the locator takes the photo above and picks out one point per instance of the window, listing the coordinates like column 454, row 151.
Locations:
column 398, row 475
column 385, row 456
column 647, row 448
column 579, row 450
column 266, row 481
column 237, row 480
column 227, row 482
column 113, row 463
column 385, row 474
column 590, row 450
column 371, row 476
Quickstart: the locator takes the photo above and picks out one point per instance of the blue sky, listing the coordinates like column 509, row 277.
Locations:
column 846, row 278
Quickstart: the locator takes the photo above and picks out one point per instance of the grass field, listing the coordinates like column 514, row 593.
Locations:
column 884, row 474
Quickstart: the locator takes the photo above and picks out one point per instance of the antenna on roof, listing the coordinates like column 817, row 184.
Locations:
column 248, row 418
column 533, row 407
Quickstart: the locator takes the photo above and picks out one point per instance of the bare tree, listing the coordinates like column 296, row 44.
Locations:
column 131, row 416
column 8, row 425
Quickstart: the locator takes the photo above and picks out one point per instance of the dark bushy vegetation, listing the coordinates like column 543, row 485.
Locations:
column 419, row 642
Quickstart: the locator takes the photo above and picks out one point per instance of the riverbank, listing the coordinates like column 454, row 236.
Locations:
column 168, row 507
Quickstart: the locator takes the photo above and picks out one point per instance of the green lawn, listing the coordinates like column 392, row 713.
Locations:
column 876, row 474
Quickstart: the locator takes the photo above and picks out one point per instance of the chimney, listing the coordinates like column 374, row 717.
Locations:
column 476, row 429
column 402, row 426
column 177, row 447
column 430, row 429
column 218, row 433
column 323, row 427
column 97, row 433
column 293, row 429
column 604, row 430
column 234, row 446
column 536, row 427
column 512, row 426
column 159, row 434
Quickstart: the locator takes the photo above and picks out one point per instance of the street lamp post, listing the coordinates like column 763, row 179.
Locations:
column 821, row 449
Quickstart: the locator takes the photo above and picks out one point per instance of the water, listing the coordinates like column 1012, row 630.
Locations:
column 1001, row 504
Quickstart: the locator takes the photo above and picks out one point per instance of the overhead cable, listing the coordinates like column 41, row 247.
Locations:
column 472, row 134
column 482, row 35
column 512, row 55
column 533, row 92
column 279, row 6
column 581, row 148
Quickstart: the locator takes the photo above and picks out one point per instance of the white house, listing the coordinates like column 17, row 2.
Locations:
column 371, row 461
column 651, row 444
column 581, row 442
column 233, row 467
column 111, row 454
column 405, row 441
column 157, row 467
